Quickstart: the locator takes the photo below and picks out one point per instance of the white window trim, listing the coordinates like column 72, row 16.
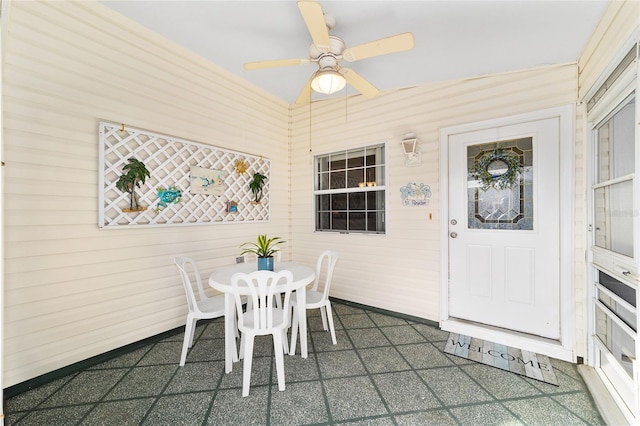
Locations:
column 384, row 187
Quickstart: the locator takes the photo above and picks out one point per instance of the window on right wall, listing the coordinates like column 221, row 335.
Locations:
column 350, row 190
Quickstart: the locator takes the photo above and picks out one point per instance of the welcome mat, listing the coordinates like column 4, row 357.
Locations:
column 524, row 363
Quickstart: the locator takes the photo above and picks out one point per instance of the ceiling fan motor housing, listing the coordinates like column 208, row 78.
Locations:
column 327, row 61
column 337, row 47
column 329, row 21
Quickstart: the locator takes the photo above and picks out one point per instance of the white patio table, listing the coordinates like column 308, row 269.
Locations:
column 221, row 281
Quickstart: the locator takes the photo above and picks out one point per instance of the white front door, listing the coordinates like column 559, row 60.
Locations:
column 504, row 243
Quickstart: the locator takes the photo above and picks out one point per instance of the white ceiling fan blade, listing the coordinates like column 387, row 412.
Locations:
column 305, row 95
column 314, row 20
column 275, row 63
column 384, row 46
column 359, row 83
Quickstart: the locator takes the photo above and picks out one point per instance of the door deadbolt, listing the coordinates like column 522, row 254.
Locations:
column 454, row 222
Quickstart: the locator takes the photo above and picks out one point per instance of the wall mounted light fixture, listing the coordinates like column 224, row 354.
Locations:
column 411, row 147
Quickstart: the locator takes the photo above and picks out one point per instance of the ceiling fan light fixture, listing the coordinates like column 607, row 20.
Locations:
column 328, row 81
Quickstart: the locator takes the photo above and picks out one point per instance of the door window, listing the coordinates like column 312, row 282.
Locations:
column 500, row 185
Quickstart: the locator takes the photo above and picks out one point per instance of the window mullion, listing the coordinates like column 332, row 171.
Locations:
column 614, row 181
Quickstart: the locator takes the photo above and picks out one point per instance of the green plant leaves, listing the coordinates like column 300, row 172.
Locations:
column 482, row 170
column 263, row 247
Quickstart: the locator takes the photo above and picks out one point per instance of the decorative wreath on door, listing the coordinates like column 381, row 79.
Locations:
column 497, row 169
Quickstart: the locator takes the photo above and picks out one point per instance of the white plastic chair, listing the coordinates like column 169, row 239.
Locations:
column 263, row 317
column 317, row 298
column 201, row 307
column 250, row 257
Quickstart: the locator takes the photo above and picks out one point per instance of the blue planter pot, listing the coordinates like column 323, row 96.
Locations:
column 265, row 263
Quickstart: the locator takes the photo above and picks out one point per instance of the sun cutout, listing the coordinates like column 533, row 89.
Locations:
column 241, row 166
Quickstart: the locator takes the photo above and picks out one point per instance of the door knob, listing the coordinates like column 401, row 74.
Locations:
column 453, row 234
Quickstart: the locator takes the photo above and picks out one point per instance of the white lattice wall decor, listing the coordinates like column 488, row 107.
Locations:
column 169, row 162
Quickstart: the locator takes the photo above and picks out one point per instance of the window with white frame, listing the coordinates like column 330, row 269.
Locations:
column 613, row 189
column 614, row 225
column 350, row 190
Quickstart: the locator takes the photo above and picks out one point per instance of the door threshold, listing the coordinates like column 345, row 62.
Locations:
column 528, row 342
column 607, row 407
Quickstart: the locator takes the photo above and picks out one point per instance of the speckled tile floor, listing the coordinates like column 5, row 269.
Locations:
column 385, row 370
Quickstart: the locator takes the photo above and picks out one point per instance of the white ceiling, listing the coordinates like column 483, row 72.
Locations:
column 453, row 39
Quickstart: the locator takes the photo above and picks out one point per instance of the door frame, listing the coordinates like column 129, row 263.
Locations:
column 562, row 348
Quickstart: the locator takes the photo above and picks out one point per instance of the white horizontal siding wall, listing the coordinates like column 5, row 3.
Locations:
column 579, row 235
column 400, row 271
column 74, row 291
column 617, row 25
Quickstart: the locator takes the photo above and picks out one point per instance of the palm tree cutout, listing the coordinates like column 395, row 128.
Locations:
column 135, row 174
column 256, row 186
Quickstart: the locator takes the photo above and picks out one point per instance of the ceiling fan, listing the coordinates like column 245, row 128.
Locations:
column 328, row 51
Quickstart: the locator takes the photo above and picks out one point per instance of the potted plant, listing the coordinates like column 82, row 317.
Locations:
column 264, row 248
column 135, row 173
column 256, row 186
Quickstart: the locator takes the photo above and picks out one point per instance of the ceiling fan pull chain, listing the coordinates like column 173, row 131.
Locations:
column 346, row 98
column 310, row 150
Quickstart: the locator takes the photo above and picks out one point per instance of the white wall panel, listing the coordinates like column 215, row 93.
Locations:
column 580, row 233
column 74, row 291
column 618, row 23
column 400, row 271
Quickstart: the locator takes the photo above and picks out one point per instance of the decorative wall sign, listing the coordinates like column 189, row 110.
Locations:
column 241, row 166
column 169, row 161
column 207, row 181
column 415, row 195
column 232, row 207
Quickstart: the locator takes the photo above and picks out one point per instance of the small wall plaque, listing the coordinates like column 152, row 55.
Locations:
column 415, row 195
column 207, row 181
column 232, row 207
